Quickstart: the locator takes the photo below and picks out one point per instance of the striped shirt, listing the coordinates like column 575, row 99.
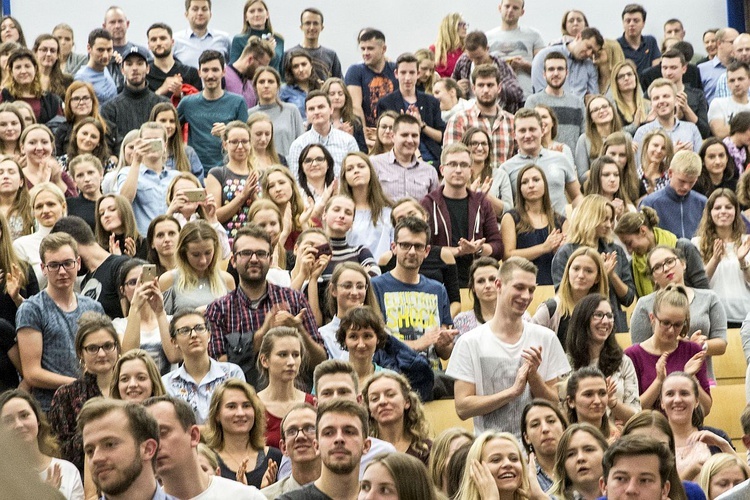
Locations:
column 415, row 180
column 500, row 132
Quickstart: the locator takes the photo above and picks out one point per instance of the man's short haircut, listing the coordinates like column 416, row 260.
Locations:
column 745, row 420
column 182, row 410
column 211, row 55
column 488, row 70
column 476, row 40
column 317, row 93
column 674, row 20
column 528, row 113
column 406, row 57
column 253, row 231
column 142, row 426
column 687, row 163
column 456, row 147
column 674, row 54
column 346, row 407
column 516, row 263
column 159, row 26
column 710, row 30
column 312, row 10
column 405, row 118
column 188, row 2
column 661, row 82
column 721, row 33
column 55, row 241
column 555, row 55
column 415, row 225
column 686, row 48
column 98, row 33
column 634, row 8
column 635, row 445
column 257, row 47
column 371, row 34
column 332, row 367
column 84, row 158
column 77, row 228
column 298, row 406
column 738, row 65
column 594, row 33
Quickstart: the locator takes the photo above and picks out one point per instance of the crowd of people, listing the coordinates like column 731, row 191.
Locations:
column 234, row 269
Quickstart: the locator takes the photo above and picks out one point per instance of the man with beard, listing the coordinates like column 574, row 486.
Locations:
column 570, row 110
column 240, row 319
column 239, row 77
column 416, row 309
column 486, row 114
column 208, row 112
column 96, row 71
column 177, row 460
column 120, row 441
column 131, row 108
column 342, row 436
column 192, row 42
column 166, row 74
column 326, row 62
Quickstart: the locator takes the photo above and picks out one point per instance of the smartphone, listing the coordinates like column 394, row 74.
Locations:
column 197, row 194
column 324, row 249
column 149, row 273
column 156, row 145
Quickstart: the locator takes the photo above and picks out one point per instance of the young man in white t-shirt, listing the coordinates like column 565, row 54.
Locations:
column 722, row 109
column 501, row 365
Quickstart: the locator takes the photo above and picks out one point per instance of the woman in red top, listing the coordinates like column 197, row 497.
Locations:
column 449, row 44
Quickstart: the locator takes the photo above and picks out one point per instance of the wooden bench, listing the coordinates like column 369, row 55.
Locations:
column 730, row 367
column 441, row 415
column 728, row 404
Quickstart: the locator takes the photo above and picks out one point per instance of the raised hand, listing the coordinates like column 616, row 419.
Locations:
column 694, row 364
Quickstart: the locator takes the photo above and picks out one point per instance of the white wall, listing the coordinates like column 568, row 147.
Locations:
column 414, row 26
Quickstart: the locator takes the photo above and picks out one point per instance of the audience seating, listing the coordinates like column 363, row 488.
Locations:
column 729, row 402
column 467, row 301
column 730, row 367
column 542, row 293
column 624, row 340
column 441, row 415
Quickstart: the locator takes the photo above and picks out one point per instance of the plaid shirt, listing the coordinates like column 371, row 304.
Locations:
column 501, row 131
column 512, row 94
column 234, row 312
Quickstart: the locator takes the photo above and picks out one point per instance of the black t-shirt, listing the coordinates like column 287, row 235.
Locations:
column 459, row 212
column 101, row 285
column 8, row 373
column 83, row 208
column 308, row 492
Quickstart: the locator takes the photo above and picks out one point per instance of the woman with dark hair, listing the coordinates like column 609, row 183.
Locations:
column 372, row 216
column 578, row 463
column 161, row 239
column 443, row 448
column 619, row 147
column 97, row 346
column 300, row 80
column 180, row 156
column 601, row 121
column 315, row 175
column 482, row 276
column 116, row 230
column 360, row 333
column 287, row 120
column 88, row 136
column 694, row 442
column 737, row 142
column 15, row 201
column 256, row 21
column 451, row 97
column 486, row 174
column 587, row 398
column 605, row 179
column 11, row 31
column 542, row 425
column 47, row 51
column 550, row 125
column 70, row 62
column 342, row 108
column 22, row 416
column 403, row 473
column 25, row 85
column 598, row 348
column 719, row 169
column 533, row 230
column 724, row 248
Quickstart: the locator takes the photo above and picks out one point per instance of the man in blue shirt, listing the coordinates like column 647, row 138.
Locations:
column 95, row 72
column 582, row 75
column 643, row 50
column 189, row 44
column 208, row 112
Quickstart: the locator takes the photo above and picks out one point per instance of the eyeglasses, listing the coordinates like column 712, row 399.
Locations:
column 406, row 246
column 186, row 331
column 663, row 266
column 293, row 432
column 68, row 265
column 94, row 348
column 479, row 144
column 131, row 283
column 234, row 143
column 455, row 164
column 317, row 159
column 80, row 100
column 357, row 286
column 668, row 325
column 598, row 315
column 594, row 111
column 248, row 254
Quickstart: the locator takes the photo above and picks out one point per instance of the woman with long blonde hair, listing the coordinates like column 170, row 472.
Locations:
column 343, row 117
column 279, row 186
column 18, row 277
column 426, row 75
column 578, row 463
column 180, row 156
column 591, row 226
column 619, row 146
column 606, row 59
column 633, row 108
column 450, row 43
column 601, row 121
column 15, row 202
column 657, row 151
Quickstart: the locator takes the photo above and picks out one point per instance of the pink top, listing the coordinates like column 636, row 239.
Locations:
column 446, row 70
column 645, row 364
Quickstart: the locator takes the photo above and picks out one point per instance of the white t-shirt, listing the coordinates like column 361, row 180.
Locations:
column 221, row 488
column 482, row 359
column 724, row 108
column 70, row 485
